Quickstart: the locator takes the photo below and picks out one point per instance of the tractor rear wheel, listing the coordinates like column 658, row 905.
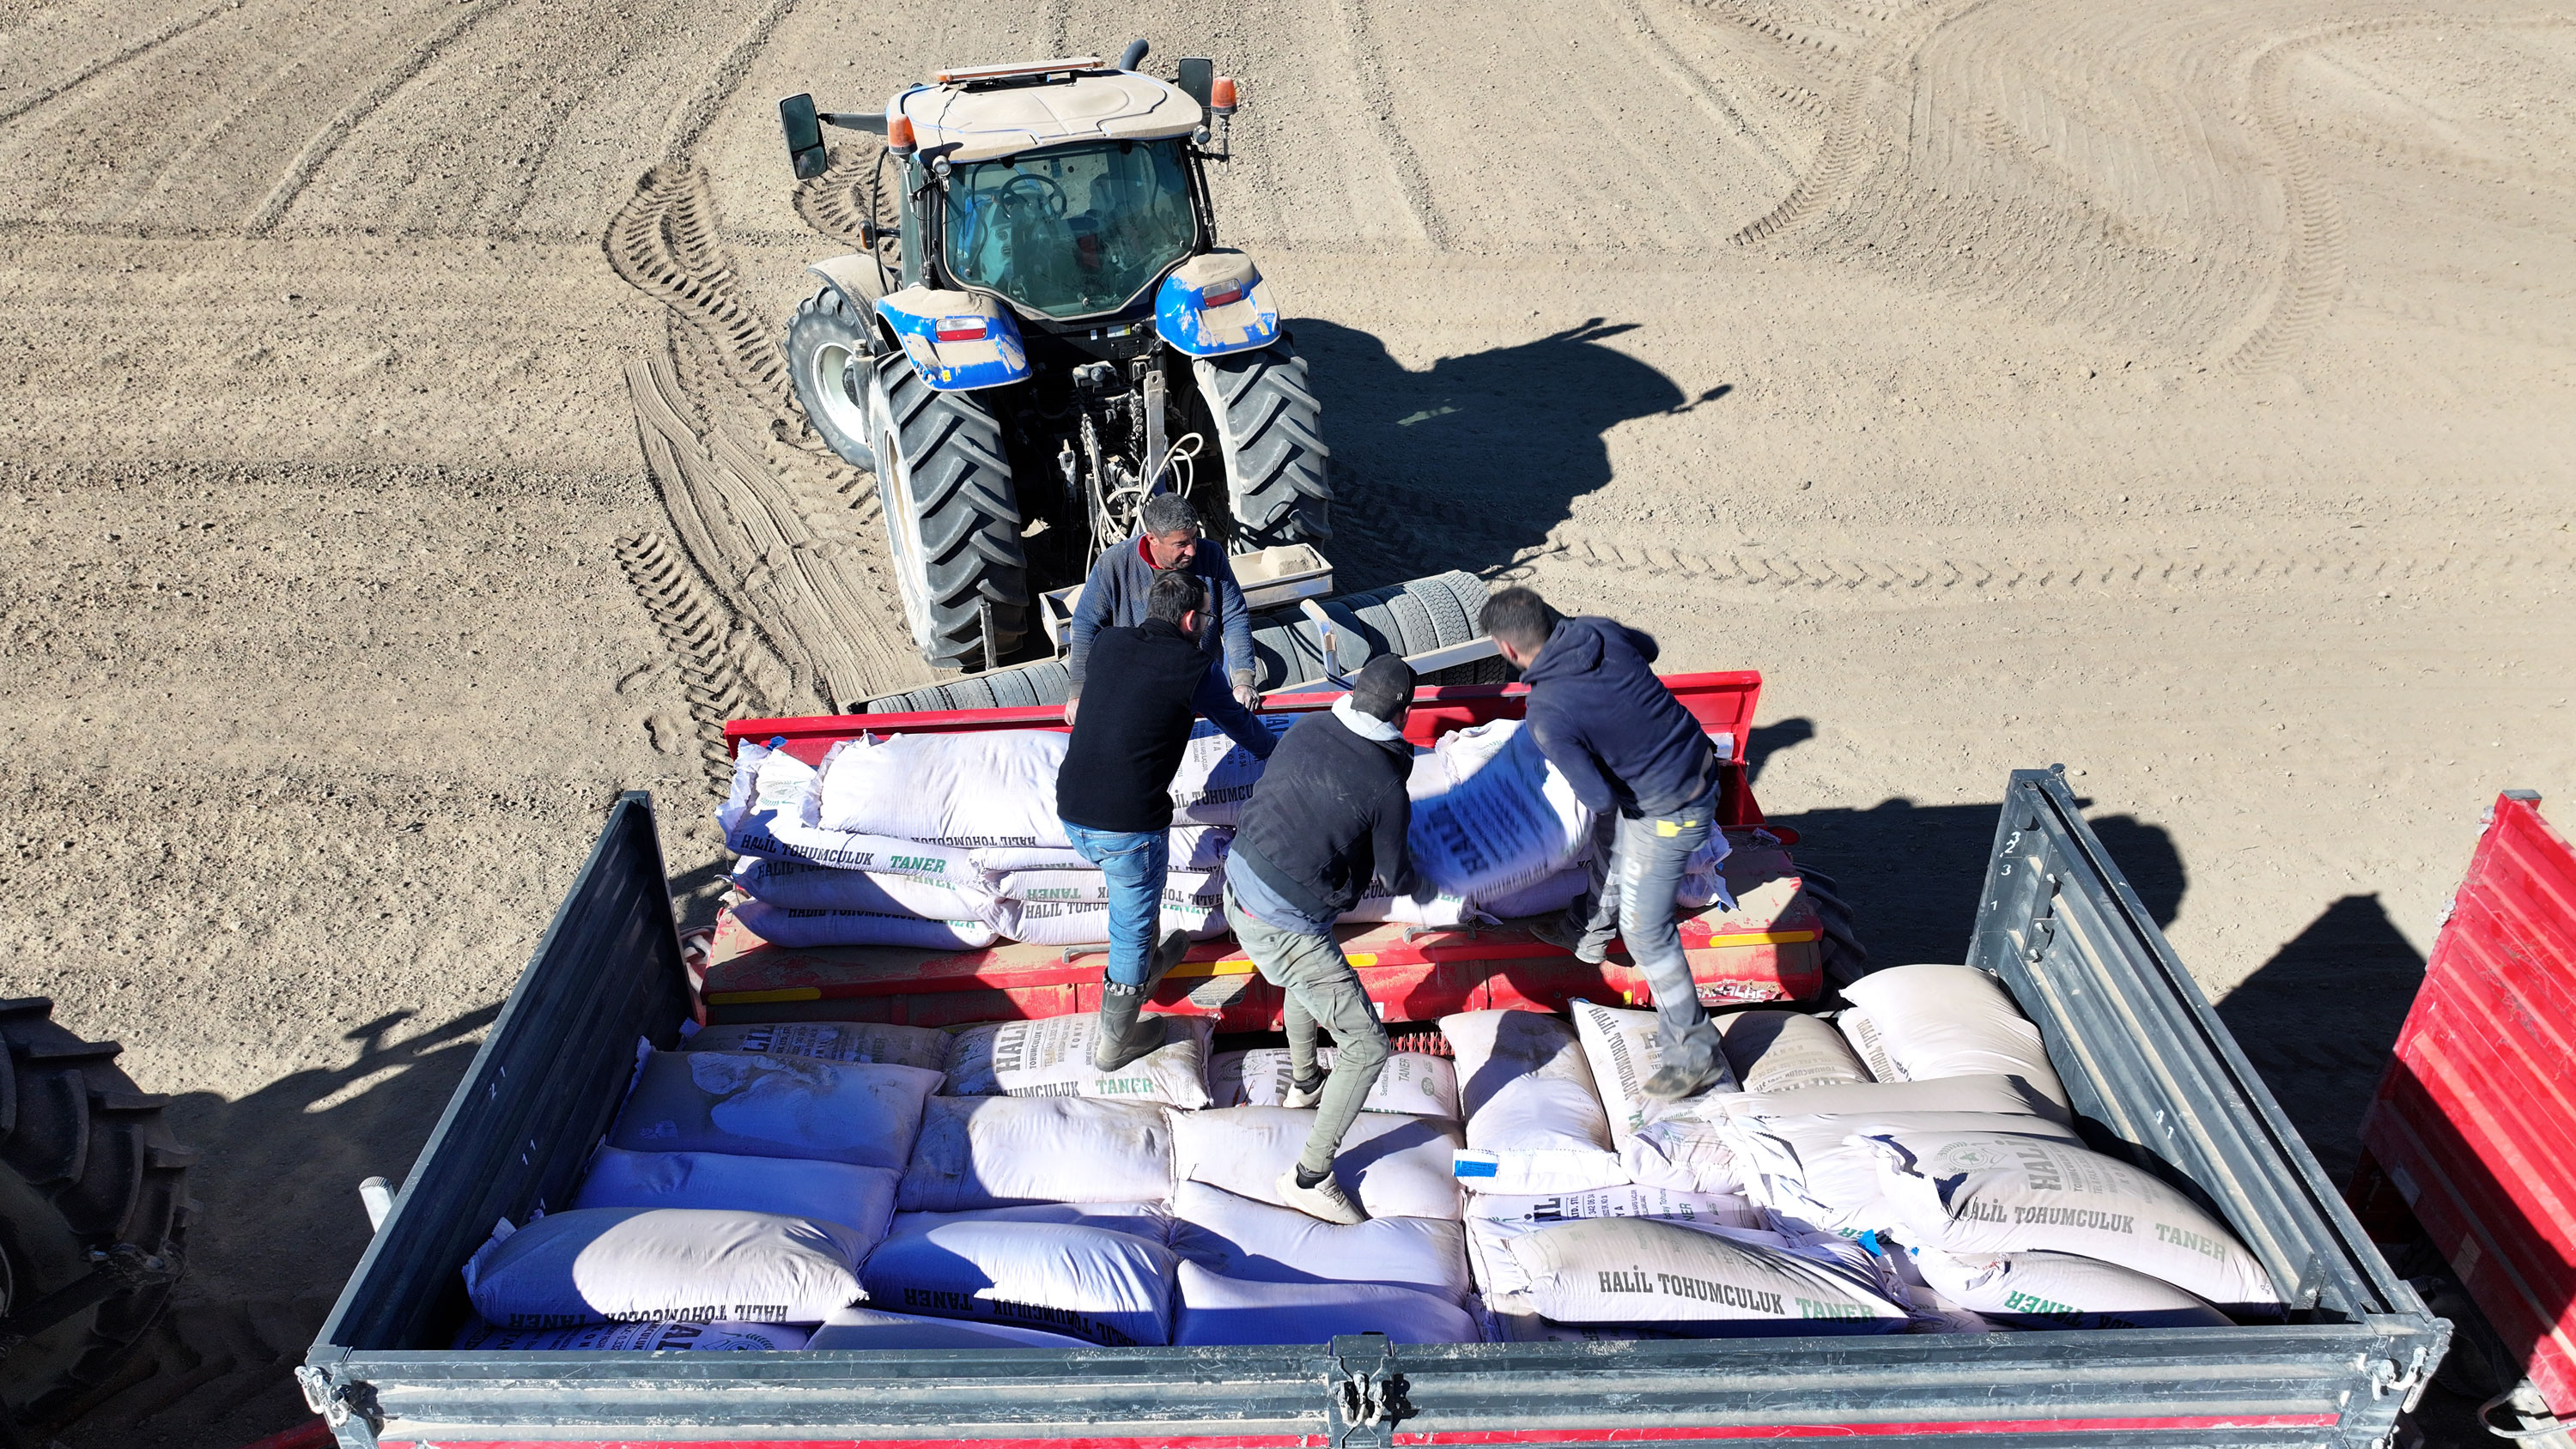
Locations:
column 90, row 1177
column 952, row 520
column 828, row 344
column 1270, row 429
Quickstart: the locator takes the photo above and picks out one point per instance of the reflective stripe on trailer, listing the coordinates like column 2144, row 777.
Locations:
column 1634, row 1434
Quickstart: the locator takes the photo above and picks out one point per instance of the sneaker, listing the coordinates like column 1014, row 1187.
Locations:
column 1557, row 933
column 1325, row 1201
column 1672, row 1084
column 1299, row 1098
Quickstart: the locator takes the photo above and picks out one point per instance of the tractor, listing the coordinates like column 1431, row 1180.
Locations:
column 1041, row 331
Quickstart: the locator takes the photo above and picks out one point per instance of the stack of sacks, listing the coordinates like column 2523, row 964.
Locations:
column 1411, row 1084
column 1622, row 1050
column 1914, row 1023
column 1535, row 1123
column 1097, row 1273
column 1495, row 1219
column 1051, row 1057
column 838, row 1041
column 1393, row 1166
column 1809, row 1157
column 1686, row 1146
column 812, row 885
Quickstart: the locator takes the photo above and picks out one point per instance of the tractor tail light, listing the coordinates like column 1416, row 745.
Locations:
column 1230, row 292
column 960, row 329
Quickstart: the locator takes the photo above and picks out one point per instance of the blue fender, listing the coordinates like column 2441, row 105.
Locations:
column 1214, row 304
column 957, row 341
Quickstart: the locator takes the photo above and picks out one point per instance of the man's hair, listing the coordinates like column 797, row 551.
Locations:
column 1384, row 688
column 1167, row 512
column 1520, row 618
column 1175, row 593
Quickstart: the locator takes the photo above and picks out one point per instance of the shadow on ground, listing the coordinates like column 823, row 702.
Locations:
column 279, row 1228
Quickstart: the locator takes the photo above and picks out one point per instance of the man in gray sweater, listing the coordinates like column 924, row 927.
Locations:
column 1114, row 597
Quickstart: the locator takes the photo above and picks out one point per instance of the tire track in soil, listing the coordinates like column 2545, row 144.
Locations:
column 129, row 54
column 1377, row 93
column 1687, row 78
column 696, row 631
column 689, row 124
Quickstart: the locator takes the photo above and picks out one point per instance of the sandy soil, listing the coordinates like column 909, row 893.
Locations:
column 397, row 465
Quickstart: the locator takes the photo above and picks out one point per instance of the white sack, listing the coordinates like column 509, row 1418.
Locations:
column 1953, row 1021
column 1052, row 1058
column 1868, row 1044
column 1990, row 1193
column 2061, row 1290
column 1534, row 1122
column 771, row 814
column 1151, row 1221
column 760, row 1106
column 780, row 926
column 1216, row 775
column 807, row 885
column 1689, row 1151
column 1085, row 886
column 2008, row 1095
column 838, row 1041
column 1391, row 1166
column 599, row 1265
column 1508, row 819
column 1378, row 903
column 1414, row 1084
column 632, row 1338
column 1109, row 1288
column 1191, row 847
column 1544, row 896
column 1823, row 1171
column 1218, row 1310
column 1494, row 1221
column 978, row 1152
column 1621, row 1049
column 858, row 1198
column 1236, row 1237
column 854, row 1328
column 1784, row 1051
column 1700, row 1280
column 1193, row 901
column 977, row 788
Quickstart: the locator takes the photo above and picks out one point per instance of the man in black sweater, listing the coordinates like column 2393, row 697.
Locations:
column 1329, row 814
column 1113, row 793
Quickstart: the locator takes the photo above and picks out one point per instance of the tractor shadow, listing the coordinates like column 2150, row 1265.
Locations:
column 1466, row 463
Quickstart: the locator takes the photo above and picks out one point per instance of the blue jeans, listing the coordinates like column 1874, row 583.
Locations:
column 1633, row 884
column 1135, row 862
column 1215, row 703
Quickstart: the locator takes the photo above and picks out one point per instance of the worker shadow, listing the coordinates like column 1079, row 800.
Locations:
column 280, row 1229
column 1472, row 460
column 2320, row 1019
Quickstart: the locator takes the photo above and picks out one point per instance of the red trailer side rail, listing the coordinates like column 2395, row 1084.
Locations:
column 2474, row 1126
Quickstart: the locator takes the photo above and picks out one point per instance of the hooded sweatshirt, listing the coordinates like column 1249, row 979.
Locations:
column 1607, row 723
column 1328, row 814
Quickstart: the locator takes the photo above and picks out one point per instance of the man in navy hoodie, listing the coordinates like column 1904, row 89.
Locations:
column 1167, row 541
column 1624, row 744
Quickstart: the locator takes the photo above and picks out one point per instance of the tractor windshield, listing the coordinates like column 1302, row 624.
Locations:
column 1072, row 232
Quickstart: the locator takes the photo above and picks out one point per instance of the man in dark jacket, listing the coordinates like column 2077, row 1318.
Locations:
column 1625, row 745
column 1329, row 814
column 1167, row 541
column 1113, row 793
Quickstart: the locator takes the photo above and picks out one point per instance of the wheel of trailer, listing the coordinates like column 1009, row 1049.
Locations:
column 952, row 520
column 91, row 1183
column 828, row 344
column 1269, row 429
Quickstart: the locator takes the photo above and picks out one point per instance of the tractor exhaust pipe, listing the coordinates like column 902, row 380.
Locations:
column 1134, row 55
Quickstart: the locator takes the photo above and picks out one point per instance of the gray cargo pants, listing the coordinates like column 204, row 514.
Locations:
column 1636, row 871
column 1324, row 995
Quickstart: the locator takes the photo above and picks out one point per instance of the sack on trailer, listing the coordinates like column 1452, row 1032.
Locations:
column 871, row 1328
column 1506, row 820
column 772, row 812
column 1052, row 1058
column 782, row 926
column 1685, row 1151
column 1545, row 896
column 1192, row 901
column 2010, row 1096
column 2061, row 1290
column 605, row 1265
column 1192, row 847
column 1621, row 1049
column 1700, row 1280
column 633, row 1338
column 1989, row 1194
column 1151, row 1221
column 1786, row 1051
column 1493, row 1221
column 1391, row 1166
column 980, row 1152
column 1951, row 1021
column 1535, row 1124
column 836, row 1041
column 1378, row 903
column 1823, row 1170
column 1413, row 1084
column 806, row 885
column 762, row 1106
column 979, row 788
column 858, row 1198
column 1216, row 775
column 1236, row 1237
column 1085, row 1282
column 1219, row 1310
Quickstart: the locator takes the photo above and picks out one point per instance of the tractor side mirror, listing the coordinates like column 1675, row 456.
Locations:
column 1197, row 76
column 804, row 137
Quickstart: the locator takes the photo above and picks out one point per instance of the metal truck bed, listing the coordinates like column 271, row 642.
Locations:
column 2138, row 1047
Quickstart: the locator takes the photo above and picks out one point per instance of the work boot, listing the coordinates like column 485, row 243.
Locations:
column 1325, row 1201
column 1301, row 1096
column 1672, row 1084
column 1167, row 954
column 1124, row 1035
column 1557, row 933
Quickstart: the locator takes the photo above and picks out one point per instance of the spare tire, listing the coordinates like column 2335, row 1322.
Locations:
column 91, row 1179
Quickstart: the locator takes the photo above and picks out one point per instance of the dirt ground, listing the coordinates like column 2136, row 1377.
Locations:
column 2187, row 395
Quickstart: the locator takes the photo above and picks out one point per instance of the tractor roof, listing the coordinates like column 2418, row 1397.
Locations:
column 979, row 120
